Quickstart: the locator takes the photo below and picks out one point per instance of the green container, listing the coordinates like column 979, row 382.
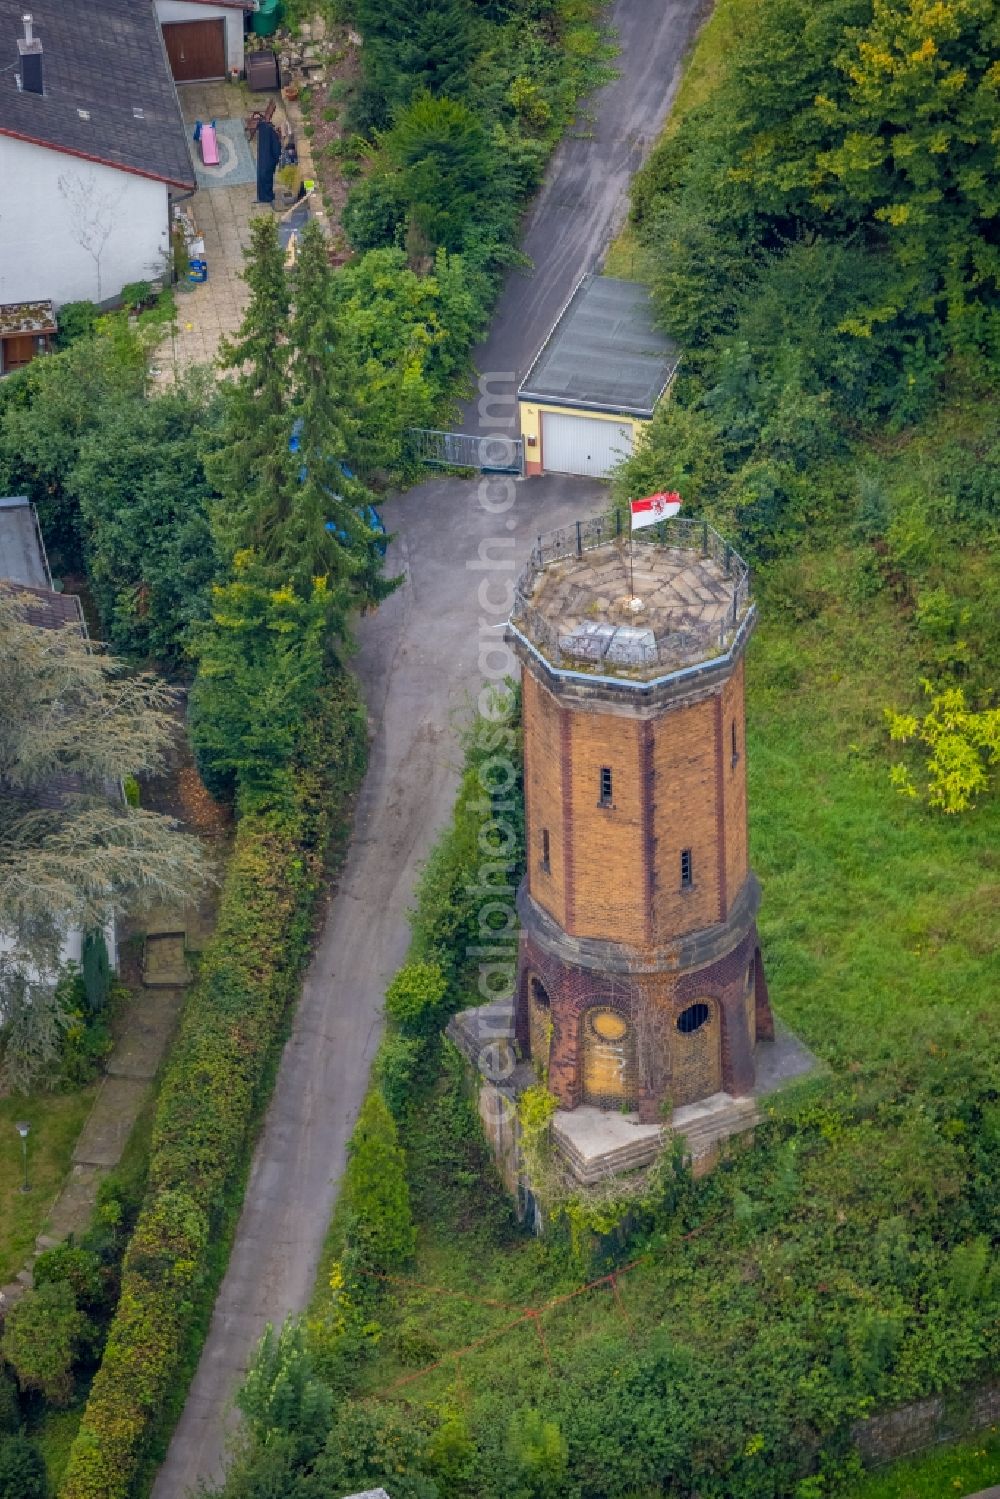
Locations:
column 266, row 18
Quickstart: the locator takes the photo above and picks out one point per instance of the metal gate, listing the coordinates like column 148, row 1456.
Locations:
column 494, row 454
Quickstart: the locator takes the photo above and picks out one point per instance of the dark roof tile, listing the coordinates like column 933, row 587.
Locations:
column 106, row 58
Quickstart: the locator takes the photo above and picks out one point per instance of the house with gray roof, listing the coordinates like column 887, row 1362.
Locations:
column 93, row 148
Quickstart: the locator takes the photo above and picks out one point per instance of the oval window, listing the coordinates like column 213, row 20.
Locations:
column 693, row 1018
column 607, row 1026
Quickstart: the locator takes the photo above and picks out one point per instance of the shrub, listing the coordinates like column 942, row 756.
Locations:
column 75, row 320
column 41, row 1339
column 135, row 295
column 375, row 1187
column 403, row 1066
column 22, row 1470
column 415, row 998
column 79, row 1268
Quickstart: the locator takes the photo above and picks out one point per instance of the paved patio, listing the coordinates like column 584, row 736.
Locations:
column 223, row 207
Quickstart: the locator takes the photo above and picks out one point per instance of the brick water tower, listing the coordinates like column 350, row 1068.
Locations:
column 640, row 982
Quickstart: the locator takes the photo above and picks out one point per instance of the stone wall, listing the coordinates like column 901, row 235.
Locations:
column 927, row 1423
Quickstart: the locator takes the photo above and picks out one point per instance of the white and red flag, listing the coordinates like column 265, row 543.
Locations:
column 655, row 507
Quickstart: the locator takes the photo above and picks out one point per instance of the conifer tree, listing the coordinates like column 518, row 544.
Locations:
column 252, row 467
column 328, row 533
column 411, row 48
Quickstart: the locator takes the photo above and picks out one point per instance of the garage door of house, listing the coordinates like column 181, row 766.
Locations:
column 582, row 444
column 197, row 49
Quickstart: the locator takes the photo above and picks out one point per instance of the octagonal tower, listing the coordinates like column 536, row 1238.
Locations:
column 640, row 981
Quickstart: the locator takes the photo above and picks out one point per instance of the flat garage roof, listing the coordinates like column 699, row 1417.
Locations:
column 604, row 353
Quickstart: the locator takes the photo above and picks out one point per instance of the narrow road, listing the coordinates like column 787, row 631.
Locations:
column 419, row 669
column 584, row 199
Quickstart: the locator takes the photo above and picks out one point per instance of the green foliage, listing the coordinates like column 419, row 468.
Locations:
column 414, row 999
column 82, row 1269
column 262, row 660
column 408, row 49
column 961, row 744
column 438, row 149
column 210, row 1094
column 41, row 1338
column 49, row 409
column 76, row 320
column 406, row 338
column 10, row 1405
column 370, row 1442
column 540, row 1454
column 135, row 295
column 144, row 516
column 463, row 102
column 281, row 1395
column 22, row 1470
column 375, row 1188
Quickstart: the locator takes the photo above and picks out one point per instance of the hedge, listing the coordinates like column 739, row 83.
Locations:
column 211, row 1097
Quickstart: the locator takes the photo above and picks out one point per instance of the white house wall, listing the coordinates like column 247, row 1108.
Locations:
column 187, row 10
column 54, row 205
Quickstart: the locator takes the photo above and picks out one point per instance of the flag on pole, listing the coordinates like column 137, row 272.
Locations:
column 653, row 508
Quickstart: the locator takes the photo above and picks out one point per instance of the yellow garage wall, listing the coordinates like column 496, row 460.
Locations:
column 531, row 423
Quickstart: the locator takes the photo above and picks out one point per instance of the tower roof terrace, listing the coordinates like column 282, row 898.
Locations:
column 592, row 602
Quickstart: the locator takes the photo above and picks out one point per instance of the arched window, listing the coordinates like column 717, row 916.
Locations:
column 696, row 1053
column 693, row 1018
column 609, row 1067
column 539, row 1023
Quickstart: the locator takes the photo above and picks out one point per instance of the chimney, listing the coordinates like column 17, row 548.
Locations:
column 30, row 51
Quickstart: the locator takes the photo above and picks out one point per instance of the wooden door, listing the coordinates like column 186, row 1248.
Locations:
column 196, row 49
column 17, row 350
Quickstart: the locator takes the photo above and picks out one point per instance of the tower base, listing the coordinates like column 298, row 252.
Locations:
column 643, row 1032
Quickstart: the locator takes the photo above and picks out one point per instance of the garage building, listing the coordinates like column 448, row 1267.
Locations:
column 203, row 38
column 596, row 381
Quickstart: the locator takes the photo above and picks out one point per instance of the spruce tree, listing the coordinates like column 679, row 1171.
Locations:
column 252, row 467
column 411, row 48
column 328, row 533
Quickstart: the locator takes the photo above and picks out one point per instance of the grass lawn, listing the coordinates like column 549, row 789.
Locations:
column 960, row 1470
column 56, row 1120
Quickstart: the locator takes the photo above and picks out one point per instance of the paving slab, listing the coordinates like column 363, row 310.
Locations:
column 72, row 1208
column 152, row 1020
column 115, row 1110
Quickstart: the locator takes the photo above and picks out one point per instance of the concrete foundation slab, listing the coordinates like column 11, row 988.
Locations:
column 597, row 1144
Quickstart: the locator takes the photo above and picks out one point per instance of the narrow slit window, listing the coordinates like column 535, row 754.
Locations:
column 606, row 786
column 736, row 751
column 687, row 869
column 545, row 848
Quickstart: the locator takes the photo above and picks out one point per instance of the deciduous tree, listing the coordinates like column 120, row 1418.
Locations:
column 73, row 854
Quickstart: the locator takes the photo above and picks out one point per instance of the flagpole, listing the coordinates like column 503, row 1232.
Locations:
column 631, row 566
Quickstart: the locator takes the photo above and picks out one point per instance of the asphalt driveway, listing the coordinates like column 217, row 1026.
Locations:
column 418, row 661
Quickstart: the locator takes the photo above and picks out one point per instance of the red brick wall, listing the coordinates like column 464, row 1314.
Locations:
column 685, row 815
column 543, row 796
